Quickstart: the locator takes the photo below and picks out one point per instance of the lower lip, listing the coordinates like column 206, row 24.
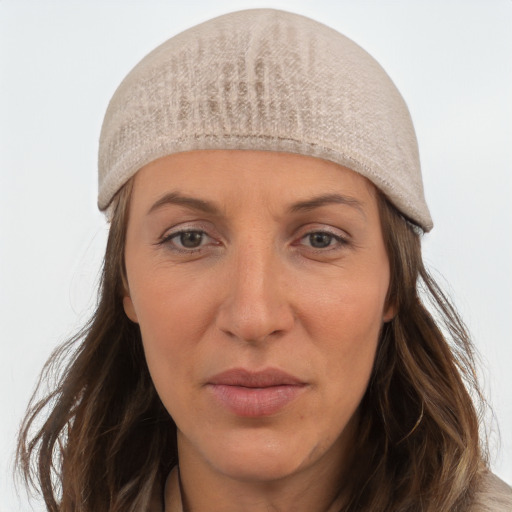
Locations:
column 255, row 402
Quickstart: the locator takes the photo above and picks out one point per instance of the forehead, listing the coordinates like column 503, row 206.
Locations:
column 230, row 174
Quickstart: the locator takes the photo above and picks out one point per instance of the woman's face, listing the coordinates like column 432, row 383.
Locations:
column 259, row 281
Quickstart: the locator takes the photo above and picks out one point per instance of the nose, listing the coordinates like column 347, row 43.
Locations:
column 256, row 305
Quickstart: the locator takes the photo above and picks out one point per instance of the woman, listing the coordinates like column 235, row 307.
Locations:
column 260, row 342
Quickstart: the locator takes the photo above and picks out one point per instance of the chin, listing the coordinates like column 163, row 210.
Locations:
column 252, row 467
column 262, row 456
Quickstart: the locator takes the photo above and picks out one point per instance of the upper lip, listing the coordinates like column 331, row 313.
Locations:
column 255, row 379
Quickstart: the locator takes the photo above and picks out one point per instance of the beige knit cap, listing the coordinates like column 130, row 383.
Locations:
column 266, row 80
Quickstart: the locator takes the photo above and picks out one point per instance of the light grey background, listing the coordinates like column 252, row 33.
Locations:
column 60, row 61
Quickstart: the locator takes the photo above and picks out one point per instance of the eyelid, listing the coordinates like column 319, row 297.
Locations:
column 187, row 226
column 342, row 237
column 200, row 227
column 175, row 234
column 323, row 228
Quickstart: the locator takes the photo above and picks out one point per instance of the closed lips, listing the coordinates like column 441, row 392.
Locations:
column 255, row 394
column 260, row 379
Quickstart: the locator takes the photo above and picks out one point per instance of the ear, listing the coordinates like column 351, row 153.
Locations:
column 129, row 309
column 390, row 311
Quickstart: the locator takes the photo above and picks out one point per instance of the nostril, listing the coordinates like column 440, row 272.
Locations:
column 253, row 337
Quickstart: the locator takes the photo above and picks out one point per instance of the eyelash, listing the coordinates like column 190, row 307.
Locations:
column 340, row 240
column 169, row 240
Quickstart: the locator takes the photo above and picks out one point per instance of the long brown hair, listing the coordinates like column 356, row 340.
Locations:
column 107, row 443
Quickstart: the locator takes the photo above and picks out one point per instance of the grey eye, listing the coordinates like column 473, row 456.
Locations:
column 191, row 239
column 320, row 240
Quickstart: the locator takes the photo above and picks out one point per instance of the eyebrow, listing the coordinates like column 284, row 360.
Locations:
column 326, row 199
column 301, row 206
column 181, row 200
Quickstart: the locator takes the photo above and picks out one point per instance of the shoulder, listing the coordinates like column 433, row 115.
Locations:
column 492, row 495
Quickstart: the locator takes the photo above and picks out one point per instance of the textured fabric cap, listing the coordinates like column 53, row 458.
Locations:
column 268, row 80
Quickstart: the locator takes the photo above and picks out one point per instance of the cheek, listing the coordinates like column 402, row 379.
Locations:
column 345, row 326
column 169, row 303
column 173, row 315
column 349, row 308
